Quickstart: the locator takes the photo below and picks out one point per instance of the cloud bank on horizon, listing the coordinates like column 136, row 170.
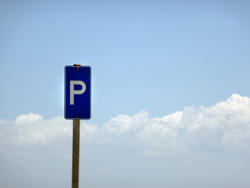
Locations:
column 223, row 126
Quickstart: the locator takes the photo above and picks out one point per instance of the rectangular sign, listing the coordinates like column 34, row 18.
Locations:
column 77, row 92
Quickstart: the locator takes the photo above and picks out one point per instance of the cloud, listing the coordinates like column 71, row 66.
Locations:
column 33, row 129
column 229, row 119
column 223, row 125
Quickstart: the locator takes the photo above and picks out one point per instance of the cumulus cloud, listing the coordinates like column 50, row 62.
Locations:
column 230, row 119
column 226, row 123
column 33, row 129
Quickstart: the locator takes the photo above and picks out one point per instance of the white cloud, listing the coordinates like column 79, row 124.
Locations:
column 223, row 115
column 33, row 129
column 159, row 135
column 225, row 123
column 119, row 124
column 28, row 118
column 124, row 123
column 171, row 119
column 230, row 119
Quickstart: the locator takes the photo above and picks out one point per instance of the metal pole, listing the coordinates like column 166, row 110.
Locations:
column 75, row 153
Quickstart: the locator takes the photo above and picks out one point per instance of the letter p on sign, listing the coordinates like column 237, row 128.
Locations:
column 76, row 92
column 77, row 104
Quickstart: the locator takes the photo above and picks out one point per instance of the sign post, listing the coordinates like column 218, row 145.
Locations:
column 75, row 153
column 76, row 107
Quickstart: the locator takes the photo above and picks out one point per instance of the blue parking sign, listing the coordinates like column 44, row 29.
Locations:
column 77, row 92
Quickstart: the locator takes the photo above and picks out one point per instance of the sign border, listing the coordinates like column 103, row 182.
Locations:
column 90, row 92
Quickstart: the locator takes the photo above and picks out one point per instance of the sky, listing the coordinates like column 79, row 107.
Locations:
column 170, row 95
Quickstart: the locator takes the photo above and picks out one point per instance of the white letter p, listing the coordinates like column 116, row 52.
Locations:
column 76, row 92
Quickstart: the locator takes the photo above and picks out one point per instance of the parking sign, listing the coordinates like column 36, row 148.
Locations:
column 77, row 104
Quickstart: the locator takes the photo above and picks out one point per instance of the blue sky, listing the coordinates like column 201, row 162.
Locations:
column 155, row 65
column 158, row 57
